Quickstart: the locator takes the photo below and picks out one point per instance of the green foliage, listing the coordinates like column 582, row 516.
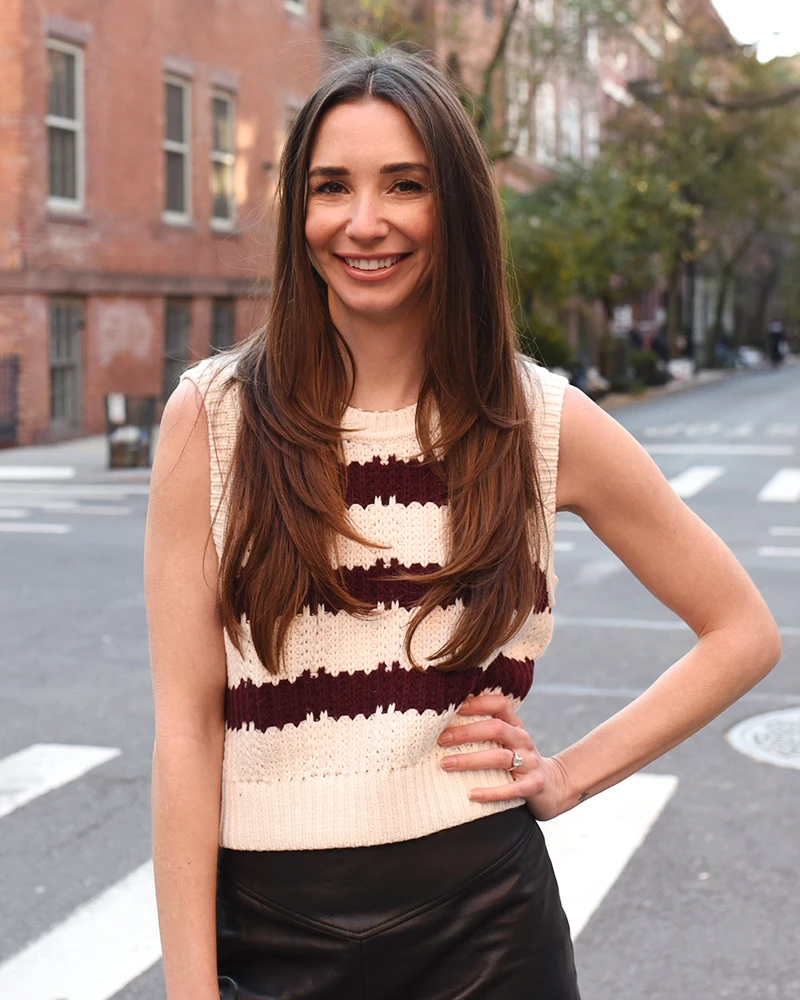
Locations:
column 647, row 367
column 542, row 338
column 594, row 233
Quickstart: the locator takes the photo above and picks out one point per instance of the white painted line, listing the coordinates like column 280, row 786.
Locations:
column 764, row 450
column 32, row 528
column 43, row 767
column 637, row 624
column 643, row 624
column 694, row 480
column 784, row 487
column 783, row 430
column 591, row 845
column 741, row 430
column 667, row 430
column 98, row 491
column 11, row 512
column 595, row 572
column 779, row 552
column 32, row 473
column 100, row 948
column 571, row 526
column 703, row 428
column 785, row 532
column 563, row 546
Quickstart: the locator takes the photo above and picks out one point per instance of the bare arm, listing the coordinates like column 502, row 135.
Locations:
column 608, row 479
column 188, row 664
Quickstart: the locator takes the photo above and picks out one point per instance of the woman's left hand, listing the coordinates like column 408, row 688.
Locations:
column 539, row 780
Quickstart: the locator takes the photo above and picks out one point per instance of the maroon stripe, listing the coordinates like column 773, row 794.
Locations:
column 268, row 706
column 407, row 482
column 367, row 585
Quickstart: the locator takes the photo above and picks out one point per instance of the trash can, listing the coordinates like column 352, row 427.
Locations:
column 129, row 421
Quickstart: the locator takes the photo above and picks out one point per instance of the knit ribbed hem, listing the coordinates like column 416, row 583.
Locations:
column 353, row 810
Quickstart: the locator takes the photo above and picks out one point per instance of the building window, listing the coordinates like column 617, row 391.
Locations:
column 65, row 126
column 223, row 161
column 177, row 327
column 66, row 335
column 177, row 150
column 572, row 130
column 223, row 324
column 546, row 124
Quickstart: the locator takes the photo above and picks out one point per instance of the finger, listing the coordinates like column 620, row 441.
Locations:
column 481, row 760
column 489, row 730
column 490, row 704
column 500, row 793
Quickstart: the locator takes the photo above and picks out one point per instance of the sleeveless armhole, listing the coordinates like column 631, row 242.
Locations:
column 212, row 378
column 546, row 399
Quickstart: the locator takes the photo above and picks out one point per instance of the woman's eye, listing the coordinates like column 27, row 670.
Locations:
column 413, row 187
column 329, row 187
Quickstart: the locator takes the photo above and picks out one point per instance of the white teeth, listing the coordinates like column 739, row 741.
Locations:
column 371, row 265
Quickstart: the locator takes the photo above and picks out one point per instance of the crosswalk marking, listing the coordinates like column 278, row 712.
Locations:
column 33, row 528
column 22, row 473
column 783, row 430
column 754, row 450
column 591, row 845
column 93, row 954
column 779, row 552
column 563, row 546
column 713, row 428
column 778, row 532
column 12, row 512
column 43, row 767
column 784, row 487
column 692, row 481
column 597, row 570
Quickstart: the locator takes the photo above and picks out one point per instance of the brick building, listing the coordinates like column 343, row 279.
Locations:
column 137, row 151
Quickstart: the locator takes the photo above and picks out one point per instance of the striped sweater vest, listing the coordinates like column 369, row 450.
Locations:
column 340, row 749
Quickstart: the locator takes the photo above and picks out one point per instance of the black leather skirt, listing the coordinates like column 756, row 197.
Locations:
column 468, row 913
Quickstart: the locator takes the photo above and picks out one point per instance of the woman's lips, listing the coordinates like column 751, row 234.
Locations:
column 379, row 273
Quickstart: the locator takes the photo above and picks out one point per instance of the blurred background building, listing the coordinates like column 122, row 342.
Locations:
column 137, row 152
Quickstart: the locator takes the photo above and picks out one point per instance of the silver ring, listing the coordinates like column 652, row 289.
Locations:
column 517, row 762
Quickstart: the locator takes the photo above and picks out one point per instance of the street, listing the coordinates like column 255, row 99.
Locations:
column 683, row 882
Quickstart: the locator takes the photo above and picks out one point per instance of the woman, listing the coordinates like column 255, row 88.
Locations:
column 341, row 638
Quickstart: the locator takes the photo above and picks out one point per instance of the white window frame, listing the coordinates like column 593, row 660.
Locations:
column 76, row 125
column 185, row 148
column 229, row 159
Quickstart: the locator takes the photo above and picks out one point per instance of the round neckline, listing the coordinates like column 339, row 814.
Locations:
column 361, row 424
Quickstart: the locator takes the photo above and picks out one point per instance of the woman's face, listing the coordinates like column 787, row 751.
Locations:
column 370, row 211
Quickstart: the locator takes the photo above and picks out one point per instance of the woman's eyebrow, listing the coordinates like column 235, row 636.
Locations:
column 389, row 168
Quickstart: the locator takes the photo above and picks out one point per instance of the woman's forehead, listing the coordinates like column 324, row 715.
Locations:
column 366, row 131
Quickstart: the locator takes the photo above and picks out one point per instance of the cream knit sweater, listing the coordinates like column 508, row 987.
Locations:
column 341, row 750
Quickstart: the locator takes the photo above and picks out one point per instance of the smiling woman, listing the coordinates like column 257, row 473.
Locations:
column 379, row 470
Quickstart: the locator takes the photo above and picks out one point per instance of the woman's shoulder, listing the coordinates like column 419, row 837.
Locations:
column 213, row 373
column 544, row 389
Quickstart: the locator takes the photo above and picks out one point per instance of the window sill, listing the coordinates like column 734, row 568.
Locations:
column 178, row 221
column 220, row 227
column 76, row 216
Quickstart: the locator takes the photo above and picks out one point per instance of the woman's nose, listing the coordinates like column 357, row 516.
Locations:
column 366, row 221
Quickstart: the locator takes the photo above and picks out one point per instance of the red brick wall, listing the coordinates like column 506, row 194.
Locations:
column 119, row 253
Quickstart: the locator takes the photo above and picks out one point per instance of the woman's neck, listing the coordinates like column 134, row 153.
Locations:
column 389, row 358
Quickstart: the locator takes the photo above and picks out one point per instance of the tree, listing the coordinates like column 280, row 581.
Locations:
column 595, row 233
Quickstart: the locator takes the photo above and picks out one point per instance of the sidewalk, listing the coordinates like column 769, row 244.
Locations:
column 83, row 460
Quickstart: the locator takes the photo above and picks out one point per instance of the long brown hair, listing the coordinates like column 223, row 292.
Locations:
column 288, row 477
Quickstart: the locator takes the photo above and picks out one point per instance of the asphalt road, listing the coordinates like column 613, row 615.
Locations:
column 687, row 885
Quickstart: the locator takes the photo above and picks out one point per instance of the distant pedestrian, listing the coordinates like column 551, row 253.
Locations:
column 349, row 572
column 776, row 342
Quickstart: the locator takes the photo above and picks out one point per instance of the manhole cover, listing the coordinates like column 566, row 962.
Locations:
column 773, row 738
